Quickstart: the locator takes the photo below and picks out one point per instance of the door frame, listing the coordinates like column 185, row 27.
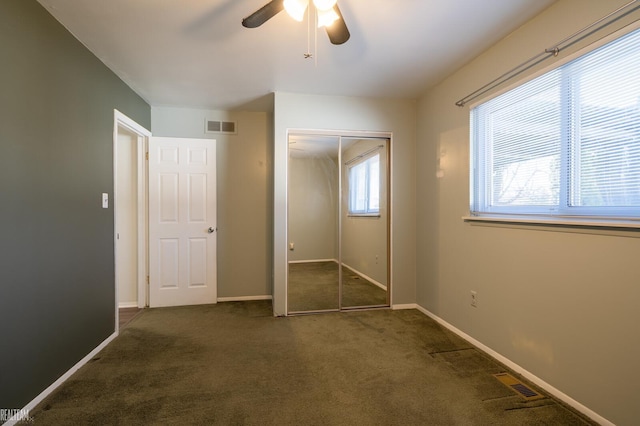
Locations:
column 121, row 121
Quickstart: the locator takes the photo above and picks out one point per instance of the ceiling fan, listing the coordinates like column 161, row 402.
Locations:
column 328, row 13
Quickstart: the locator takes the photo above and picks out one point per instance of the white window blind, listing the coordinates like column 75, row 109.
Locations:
column 364, row 187
column 566, row 142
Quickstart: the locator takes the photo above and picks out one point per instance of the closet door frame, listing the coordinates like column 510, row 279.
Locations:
column 389, row 258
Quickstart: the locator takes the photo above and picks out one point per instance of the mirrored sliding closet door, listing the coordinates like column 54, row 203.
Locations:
column 364, row 223
column 338, row 223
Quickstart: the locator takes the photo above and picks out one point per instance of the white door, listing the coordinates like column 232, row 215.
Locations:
column 182, row 221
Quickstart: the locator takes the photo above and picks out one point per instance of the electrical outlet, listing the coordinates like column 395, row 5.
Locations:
column 474, row 299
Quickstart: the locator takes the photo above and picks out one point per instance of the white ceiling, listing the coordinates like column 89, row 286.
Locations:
column 195, row 53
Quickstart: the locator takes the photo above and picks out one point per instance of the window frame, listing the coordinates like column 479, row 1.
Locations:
column 563, row 212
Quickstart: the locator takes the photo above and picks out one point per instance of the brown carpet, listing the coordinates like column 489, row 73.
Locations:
column 235, row 364
column 313, row 286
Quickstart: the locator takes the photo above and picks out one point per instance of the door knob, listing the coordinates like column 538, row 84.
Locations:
column 212, row 230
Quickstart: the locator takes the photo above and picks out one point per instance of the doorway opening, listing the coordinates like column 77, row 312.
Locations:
column 130, row 142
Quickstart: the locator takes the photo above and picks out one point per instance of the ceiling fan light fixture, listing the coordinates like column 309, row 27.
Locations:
column 296, row 8
column 327, row 17
column 323, row 5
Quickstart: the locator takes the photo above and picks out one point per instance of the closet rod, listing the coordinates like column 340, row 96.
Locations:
column 359, row 156
column 547, row 53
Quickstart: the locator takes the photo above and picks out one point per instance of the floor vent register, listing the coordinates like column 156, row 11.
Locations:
column 518, row 387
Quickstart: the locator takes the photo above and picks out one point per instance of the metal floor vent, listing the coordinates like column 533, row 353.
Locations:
column 518, row 387
column 227, row 127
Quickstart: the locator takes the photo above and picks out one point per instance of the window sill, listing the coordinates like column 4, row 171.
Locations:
column 565, row 222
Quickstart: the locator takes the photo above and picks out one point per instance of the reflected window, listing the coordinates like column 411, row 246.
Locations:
column 364, row 187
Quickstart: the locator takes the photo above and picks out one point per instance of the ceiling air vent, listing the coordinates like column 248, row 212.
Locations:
column 225, row 127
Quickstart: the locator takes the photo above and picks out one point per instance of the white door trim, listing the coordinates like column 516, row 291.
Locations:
column 121, row 121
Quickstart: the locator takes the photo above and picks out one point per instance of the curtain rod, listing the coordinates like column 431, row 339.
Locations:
column 547, row 53
column 359, row 156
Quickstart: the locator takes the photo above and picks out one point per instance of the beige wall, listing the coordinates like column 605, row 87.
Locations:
column 313, row 208
column 244, row 188
column 561, row 303
column 295, row 111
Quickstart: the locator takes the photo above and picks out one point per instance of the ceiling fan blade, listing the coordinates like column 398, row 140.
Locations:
column 263, row 14
column 338, row 32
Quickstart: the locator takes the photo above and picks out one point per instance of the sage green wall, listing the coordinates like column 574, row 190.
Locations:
column 561, row 303
column 314, row 112
column 244, row 193
column 57, row 291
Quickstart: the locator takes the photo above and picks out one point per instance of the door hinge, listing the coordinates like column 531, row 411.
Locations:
column 146, row 155
column 147, row 279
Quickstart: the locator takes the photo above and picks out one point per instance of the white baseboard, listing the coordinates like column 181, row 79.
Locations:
column 244, row 298
column 405, row 306
column 122, row 305
column 518, row 369
column 38, row 399
column 313, row 261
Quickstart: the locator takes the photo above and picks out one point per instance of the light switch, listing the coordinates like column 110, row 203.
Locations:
column 105, row 200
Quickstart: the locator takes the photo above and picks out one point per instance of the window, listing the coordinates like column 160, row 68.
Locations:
column 566, row 143
column 364, row 187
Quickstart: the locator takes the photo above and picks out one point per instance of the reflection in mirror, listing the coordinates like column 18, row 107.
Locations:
column 313, row 222
column 365, row 223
